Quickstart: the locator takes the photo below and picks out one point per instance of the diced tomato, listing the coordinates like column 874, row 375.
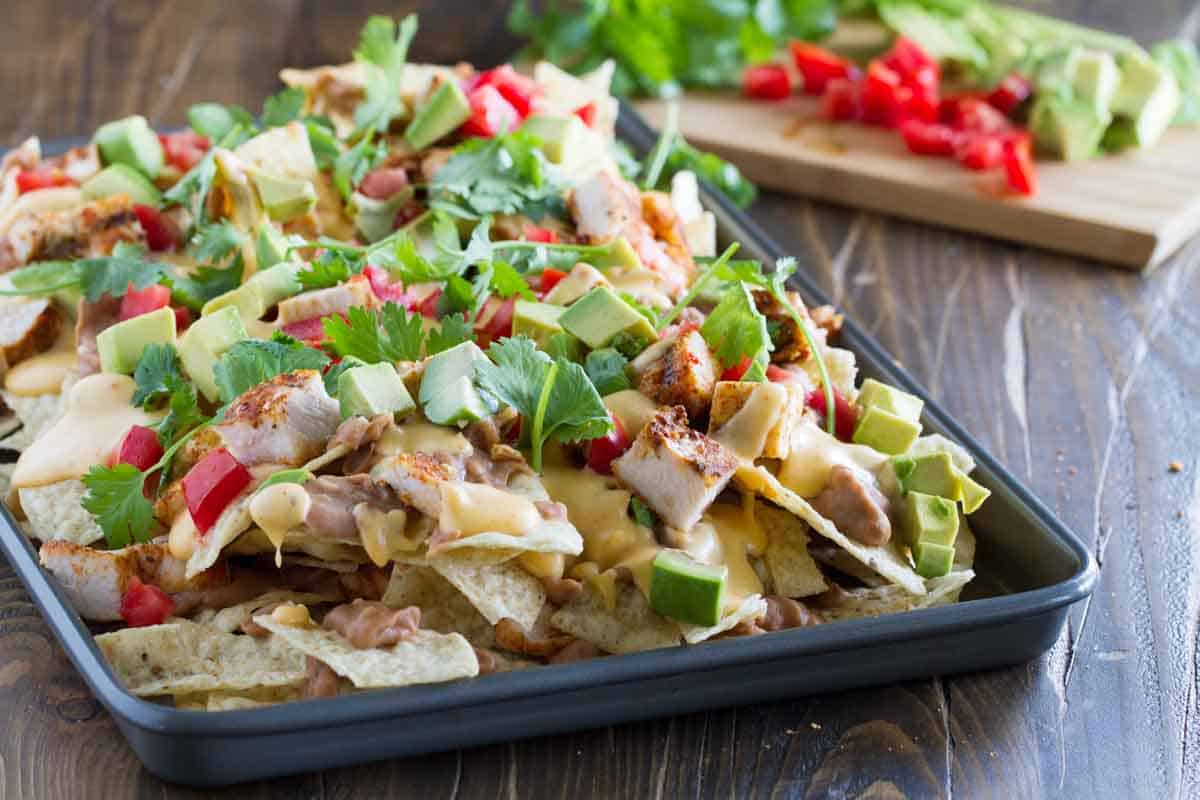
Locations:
column 428, row 307
column 980, row 151
column 142, row 301
column 490, row 113
column 587, row 113
column 603, row 450
column 184, row 149
column 550, row 278
column 384, row 287
column 766, row 82
column 32, row 180
column 519, row 90
column 211, row 485
column 844, row 414
column 928, row 138
column 495, row 321
column 1018, row 165
column 884, row 96
column 382, row 183
column 139, row 447
column 910, row 60
column 737, row 371
column 973, row 114
column 145, row 604
column 160, row 233
column 780, row 375
column 819, row 66
column 921, row 105
column 841, row 100
column 183, row 318
column 1010, row 93
column 536, row 233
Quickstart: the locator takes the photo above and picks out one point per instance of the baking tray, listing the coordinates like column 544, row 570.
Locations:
column 1030, row 567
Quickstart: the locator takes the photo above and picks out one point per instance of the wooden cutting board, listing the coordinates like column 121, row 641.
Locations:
column 1133, row 210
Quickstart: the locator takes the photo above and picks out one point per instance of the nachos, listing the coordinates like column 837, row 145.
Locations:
column 414, row 376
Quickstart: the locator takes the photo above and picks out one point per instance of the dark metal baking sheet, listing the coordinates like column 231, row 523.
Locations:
column 1030, row 570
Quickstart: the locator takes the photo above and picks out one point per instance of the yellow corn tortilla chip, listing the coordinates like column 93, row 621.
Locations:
column 443, row 608
column 183, row 657
column 496, row 590
column 230, row 618
column 753, row 607
column 551, row 536
column 298, row 540
column 36, row 415
column 893, row 599
column 631, row 626
column 835, row 557
column 793, row 571
column 424, row 657
column 234, row 521
column 233, row 701
column 55, row 511
column 886, row 559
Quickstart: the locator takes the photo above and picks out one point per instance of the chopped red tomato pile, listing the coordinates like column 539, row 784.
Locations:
column 902, row 90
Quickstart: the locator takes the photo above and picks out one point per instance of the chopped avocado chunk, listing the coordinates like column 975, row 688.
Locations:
column 935, row 473
column 247, row 298
column 446, row 109
column 1146, row 98
column 122, row 179
column 263, row 290
column 270, row 246
column 620, row 254
column 284, row 199
column 1065, row 127
column 972, row 494
column 929, row 519
column 684, row 589
column 448, row 394
column 205, row 341
column 278, row 282
column 885, row 431
column 568, row 142
column 1095, row 81
column 122, row 344
column 600, row 315
column 375, row 219
column 889, row 398
column 579, row 281
column 373, row 389
column 933, row 560
column 538, row 321
column 132, row 142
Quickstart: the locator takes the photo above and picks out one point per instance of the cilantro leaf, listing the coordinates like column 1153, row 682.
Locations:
column 606, row 370
column 215, row 121
column 390, row 335
column 329, row 269
column 335, row 372
column 204, row 283
column 214, row 241
column 736, row 329
column 155, row 374
column 454, row 330
column 506, row 282
column 323, row 141
column 382, row 52
column 350, row 166
column 508, row 174
column 253, row 361
column 117, row 500
column 282, row 108
column 114, row 274
column 575, row 412
column 41, row 277
column 412, row 267
column 642, row 513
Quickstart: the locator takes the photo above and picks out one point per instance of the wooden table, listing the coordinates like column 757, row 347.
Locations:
column 1083, row 380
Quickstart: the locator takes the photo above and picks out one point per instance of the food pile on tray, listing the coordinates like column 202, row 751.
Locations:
column 416, row 376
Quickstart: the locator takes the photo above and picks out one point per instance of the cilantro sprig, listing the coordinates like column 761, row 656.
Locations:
column 391, row 334
column 554, row 396
column 253, row 361
column 507, row 174
column 382, row 52
column 736, row 329
column 96, row 276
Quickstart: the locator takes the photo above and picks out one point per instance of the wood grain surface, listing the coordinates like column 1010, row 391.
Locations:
column 1083, row 380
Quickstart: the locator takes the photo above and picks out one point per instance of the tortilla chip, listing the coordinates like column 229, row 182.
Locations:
column 883, row 559
column 753, row 607
column 443, row 608
column 964, row 545
column 182, row 657
column 631, row 626
column 36, row 414
column 832, row 556
column 893, row 599
column 936, row 443
column 551, row 536
column 424, row 657
column 793, row 571
column 230, row 618
column 496, row 590
column 233, row 521
column 255, row 542
column 55, row 511
column 233, row 701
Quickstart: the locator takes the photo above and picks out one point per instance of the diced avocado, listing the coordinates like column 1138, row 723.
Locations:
column 263, row 290
column 933, row 560
column 1065, row 127
column 1181, row 58
column 1055, row 71
column 446, row 109
column 121, row 345
column 205, row 341
column 620, row 253
column 448, row 394
column 598, row 316
column 1095, row 80
column 132, row 142
column 929, row 519
column 1146, row 98
column 972, row 494
column 211, row 119
column 889, row 398
column 373, row 389
column 278, row 282
column 885, row 431
column 538, row 321
column 122, row 179
column 270, row 246
column 579, row 281
column 284, row 199
column 375, row 219
column 283, row 152
column 684, row 589
column 935, row 473
column 567, row 141
column 247, row 299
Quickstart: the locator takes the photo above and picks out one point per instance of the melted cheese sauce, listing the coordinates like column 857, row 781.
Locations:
column 418, row 436
column 181, row 540
column 814, row 454
column 740, row 537
column 278, row 509
column 382, row 532
column 470, row 508
column 98, row 413
column 746, row 431
column 632, row 409
column 45, row 372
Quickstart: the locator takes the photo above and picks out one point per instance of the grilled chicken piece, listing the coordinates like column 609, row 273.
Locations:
column 78, row 163
column 417, row 478
column 287, row 421
column 91, row 319
column 27, row 327
column 680, row 371
column 96, row 580
column 334, row 499
column 855, row 505
column 664, row 221
column 92, row 229
column 677, row 471
column 322, row 302
column 768, row 432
